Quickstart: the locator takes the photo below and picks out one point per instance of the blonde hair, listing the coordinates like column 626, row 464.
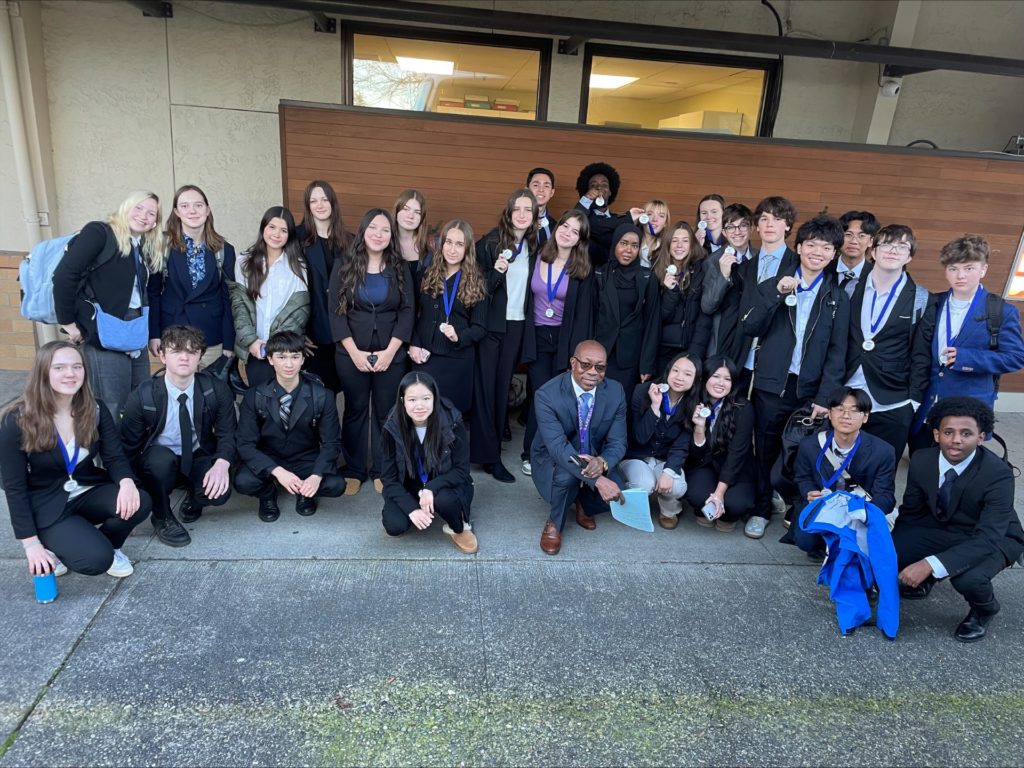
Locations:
column 654, row 242
column 471, row 286
column 153, row 244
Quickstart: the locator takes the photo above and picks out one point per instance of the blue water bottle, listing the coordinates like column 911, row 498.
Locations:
column 46, row 588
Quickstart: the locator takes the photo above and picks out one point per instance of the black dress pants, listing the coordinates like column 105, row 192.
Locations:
column 361, row 390
column 701, row 483
column 161, row 475
column 76, row 540
column 497, row 355
column 892, row 426
column 258, row 371
column 540, row 372
column 628, row 377
column 771, row 412
column 248, row 483
column 322, row 363
column 923, row 439
column 447, row 506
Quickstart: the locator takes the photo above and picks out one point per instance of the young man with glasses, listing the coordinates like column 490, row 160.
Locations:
column 859, row 231
column 723, row 283
column 844, row 458
column 581, row 438
column 885, row 311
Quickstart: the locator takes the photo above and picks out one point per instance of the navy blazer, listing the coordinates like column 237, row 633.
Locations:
column 873, row 468
column 318, row 272
column 664, row 437
column 206, row 307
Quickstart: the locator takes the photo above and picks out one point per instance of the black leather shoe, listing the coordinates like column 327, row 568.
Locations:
column 171, row 533
column 189, row 511
column 818, row 555
column 269, row 511
column 502, row 475
column 972, row 629
column 920, row 592
column 305, row 505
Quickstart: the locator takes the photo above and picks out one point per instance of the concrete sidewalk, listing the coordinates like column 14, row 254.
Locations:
column 318, row 641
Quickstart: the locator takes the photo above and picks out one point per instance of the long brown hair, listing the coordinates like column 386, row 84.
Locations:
column 213, row 241
column 338, row 237
column 578, row 265
column 353, row 267
column 36, row 409
column 686, row 266
column 506, row 231
column 471, row 284
column 255, row 269
column 421, row 230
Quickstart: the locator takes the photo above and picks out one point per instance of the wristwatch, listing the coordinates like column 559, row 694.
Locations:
column 420, row 494
column 605, row 463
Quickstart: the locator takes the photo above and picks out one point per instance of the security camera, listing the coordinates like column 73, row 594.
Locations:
column 891, row 89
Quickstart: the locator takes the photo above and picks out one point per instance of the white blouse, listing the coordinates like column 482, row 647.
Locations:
column 280, row 284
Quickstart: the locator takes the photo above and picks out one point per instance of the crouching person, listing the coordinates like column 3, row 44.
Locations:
column 288, row 432
column 179, row 432
column 426, row 464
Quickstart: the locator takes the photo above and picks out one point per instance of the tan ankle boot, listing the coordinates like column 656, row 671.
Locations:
column 465, row 542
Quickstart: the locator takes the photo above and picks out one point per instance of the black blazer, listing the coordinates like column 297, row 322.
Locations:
column 542, row 236
column 319, row 267
column 145, row 414
column 665, row 439
column 873, row 468
column 824, row 343
column 833, row 269
column 110, row 283
column 892, row 371
column 470, row 325
column 393, row 318
column 34, row 482
column 486, row 256
column 576, row 318
column 980, row 508
column 206, row 307
column 307, row 447
column 684, row 326
column 602, row 230
column 634, row 339
column 733, row 462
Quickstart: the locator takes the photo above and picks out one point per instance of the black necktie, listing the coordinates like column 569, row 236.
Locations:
column 946, row 491
column 185, row 425
column 286, row 409
column 847, row 277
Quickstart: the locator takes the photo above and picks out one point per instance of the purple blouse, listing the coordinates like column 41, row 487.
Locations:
column 539, row 286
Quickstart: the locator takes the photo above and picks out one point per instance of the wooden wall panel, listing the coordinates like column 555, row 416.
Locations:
column 467, row 168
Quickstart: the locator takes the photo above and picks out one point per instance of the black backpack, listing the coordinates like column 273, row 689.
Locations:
column 319, row 401
column 994, row 321
column 151, row 417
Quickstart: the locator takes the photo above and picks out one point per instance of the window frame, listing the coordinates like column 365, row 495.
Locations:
column 1015, row 262
column 440, row 35
column 770, row 66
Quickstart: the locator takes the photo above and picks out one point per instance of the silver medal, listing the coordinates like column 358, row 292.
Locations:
column 71, row 485
column 644, row 218
column 730, row 251
column 544, row 221
column 791, row 300
column 702, row 225
column 826, row 491
column 443, row 327
column 549, row 312
column 868, row 345
column 671, row 269
column 944, row 359
column 704, row 412
column 599, row 202
column 663, row 388
column 507, row 254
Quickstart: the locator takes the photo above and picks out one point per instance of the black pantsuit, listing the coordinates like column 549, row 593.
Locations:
column 323, row 365
column 497, row 356
column 160, row 474
column 892, row 426
column 701, row 483
column 771, row 414
column 540, row 371
column 78, row 543
column 447, row 506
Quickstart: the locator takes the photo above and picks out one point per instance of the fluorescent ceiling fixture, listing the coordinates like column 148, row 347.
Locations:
column 426, row 66
column 610, row 81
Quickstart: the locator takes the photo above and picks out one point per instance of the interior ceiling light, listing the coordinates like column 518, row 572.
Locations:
column 426, row 66
column 610, row 82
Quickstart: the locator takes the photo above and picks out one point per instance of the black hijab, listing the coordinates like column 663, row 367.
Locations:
column 626, row 275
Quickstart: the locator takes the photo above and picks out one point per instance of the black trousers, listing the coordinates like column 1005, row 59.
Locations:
column 248, row 484
column 892, row 426
column 76, row 540
column 743, row 387
column 565, row 490
column 258, row 371
column 322, row 363
column 447, row 506
column 627, row 377
column 701, row 483
column 916, row 542
column 496, row 357
column 361, row 390
column 161, row 475
column 540, row 372
column 923, row 439
column 771, row 412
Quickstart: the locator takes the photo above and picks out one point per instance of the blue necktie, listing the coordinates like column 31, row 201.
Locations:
column 946, row 491
column 585, row 399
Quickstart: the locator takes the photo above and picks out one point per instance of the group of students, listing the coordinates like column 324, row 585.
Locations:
column 711, row 342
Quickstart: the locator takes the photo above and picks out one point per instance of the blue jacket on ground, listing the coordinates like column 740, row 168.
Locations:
column 860, row 553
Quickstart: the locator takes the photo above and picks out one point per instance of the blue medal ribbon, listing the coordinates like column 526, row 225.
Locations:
column 875, row 322
column 665, row 404
column 950, row 338
column 715, row 408
column 585, row 421
column 519, row 250
column 449, row 301
column 69, row 462
column 800, row 288
column 842, row 467
column 553, row 292
column 419, row 465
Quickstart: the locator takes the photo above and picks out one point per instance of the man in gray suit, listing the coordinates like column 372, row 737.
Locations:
column 579, row 414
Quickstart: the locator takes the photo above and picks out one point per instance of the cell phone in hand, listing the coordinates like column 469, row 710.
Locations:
column 709, row 510
column 371, row 359
column 579, row 461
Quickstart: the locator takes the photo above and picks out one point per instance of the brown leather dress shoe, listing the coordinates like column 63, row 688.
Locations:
column 582, row 520
column 668, row 523
column 550, row 539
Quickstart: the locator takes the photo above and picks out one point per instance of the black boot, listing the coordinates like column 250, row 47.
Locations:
column 170, row 532
column 973, row 627
column 499, row 473
column 305, row 505
column 269, row 511
column 189, row 511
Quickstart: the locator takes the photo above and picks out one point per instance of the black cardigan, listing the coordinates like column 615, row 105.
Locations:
column 683, row 325
column 486, row 256
column 320, row 263
column 34, row 482
column 733, row 462
column 470, row 325
column 665, row 439
column 393, row 318
column 110, row 282
column 637, row 342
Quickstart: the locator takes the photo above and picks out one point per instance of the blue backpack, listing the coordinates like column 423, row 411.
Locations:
column 35, row 274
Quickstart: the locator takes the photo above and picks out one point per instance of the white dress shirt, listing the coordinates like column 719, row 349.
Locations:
column 804, row 304
column 957, row 315
column 767, row 268
column 938, row 569
column 170, row 435
column 281, row 282
column 136, row 300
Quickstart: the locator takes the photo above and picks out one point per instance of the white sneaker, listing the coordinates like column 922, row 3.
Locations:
column 755, row 526
column 778, row 505
column 527, row 469
column 122, row 566
column 61, row 569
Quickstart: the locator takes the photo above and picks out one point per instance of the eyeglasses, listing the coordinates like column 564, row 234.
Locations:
column 599, row 367
column 732, row 228
column 901, row 249
column 850, row 413
column 859, row 235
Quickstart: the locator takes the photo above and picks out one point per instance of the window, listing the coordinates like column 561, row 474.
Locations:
column 454, row 73
column 676, row 91
column 1015, row 285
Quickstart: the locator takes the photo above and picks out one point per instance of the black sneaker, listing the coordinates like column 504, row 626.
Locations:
column 171, row 533
column 305, row 505
column 269, row 511
column 189, row 511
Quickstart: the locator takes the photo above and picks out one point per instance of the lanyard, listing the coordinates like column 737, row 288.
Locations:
column 449, row 301
column 950, row 338
column 875, row 322
column 69, row 462
column 800, row 288
column 552, row 292
column 584, row 421
column 519, row 250
column 715, row 408
column 419, row 465
column 665, row 405
column 138, row 269
column 842, row 467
